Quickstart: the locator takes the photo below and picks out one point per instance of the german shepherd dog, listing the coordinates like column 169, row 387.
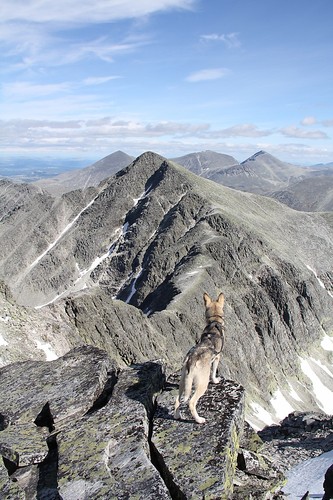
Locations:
column 200, row 358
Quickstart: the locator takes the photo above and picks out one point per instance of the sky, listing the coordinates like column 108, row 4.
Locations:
column 83, row 78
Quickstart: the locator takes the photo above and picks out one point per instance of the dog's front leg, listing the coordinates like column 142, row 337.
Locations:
column 215, row 379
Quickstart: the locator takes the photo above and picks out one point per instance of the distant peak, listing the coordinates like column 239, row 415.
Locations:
column 261, row 152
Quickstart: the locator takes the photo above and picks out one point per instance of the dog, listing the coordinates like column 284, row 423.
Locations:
column 200, row 358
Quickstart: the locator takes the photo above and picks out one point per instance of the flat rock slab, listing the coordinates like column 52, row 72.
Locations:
column 106, row 454
column 35, row 396
column 69, row 385
column 199, row 460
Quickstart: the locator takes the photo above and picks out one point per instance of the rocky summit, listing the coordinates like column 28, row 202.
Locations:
column 101, row 298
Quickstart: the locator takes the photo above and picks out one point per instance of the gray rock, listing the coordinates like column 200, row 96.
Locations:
column 155, row 237
column 198, row 461
column 106, row 453
column 328, row 483
column 102, row 432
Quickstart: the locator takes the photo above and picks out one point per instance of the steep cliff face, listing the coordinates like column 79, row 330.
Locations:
column 124, row 266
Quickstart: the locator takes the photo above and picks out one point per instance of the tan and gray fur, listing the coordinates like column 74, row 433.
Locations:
column 201, row 358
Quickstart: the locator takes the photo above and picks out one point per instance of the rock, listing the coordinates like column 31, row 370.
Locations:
column 328, row 483
column 156, row 236
column 36, row 397
column 46, row 393
column 106, row 453
column 266, row 457
column 198, row 461
column 80, row 428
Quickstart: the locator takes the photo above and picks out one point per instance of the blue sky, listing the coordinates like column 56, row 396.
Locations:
column 83, row 78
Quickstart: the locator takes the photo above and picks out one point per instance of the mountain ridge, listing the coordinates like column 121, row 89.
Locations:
column 261, row 173
column 136, row 254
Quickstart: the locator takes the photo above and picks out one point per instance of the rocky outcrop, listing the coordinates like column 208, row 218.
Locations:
column 199, row 462
column 79, row 427
column 266, row 457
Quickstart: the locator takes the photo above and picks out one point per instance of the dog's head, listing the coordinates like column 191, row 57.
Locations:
column 214, row 308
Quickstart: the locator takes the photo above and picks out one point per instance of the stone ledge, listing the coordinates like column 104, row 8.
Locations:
column 199, row 461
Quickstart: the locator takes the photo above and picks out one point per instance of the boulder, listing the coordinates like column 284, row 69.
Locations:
column 80, row 428
column 199, row 461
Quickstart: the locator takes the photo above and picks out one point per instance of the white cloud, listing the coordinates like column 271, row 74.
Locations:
column 309, row 120
column 100, row 80
column 84, row 11
column 231, row 40
column 299, row 133
column 101, row 135
column 243, row 130
column 208, row 74
column 25, row 90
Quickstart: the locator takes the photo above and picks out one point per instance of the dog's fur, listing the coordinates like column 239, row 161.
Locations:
column 201, row 357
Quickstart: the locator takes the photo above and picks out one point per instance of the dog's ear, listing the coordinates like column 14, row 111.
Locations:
column 207, row 299
column 220, row 299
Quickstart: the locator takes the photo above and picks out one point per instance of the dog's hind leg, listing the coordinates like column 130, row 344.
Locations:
column 185, row 388
column 177, row 414
column 201, row 387
column 215, row 379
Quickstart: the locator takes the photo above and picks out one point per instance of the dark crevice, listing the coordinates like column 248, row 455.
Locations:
column 160, row 298
column 47, row 487
column 158, row 462
column 139, row 392
column 106, row 393
column 4, row 422
column 10, row 466
column 45, row 418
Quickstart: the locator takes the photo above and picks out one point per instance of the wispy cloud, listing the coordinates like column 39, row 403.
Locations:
column 100, row 80
column 84, row 11
column 243, row 130
column 208, row 74
column 298, row 133
column 231, row 40
column 327, row 123
column 102, row 135
column 18, row 91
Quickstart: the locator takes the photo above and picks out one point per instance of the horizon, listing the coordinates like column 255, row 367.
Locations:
column 169, row 76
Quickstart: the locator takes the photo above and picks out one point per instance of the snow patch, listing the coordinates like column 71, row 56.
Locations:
column 80, row 282
column 2, row 340
column 143, row 195
column 133, row 286
column 319, row 281
column 261, row 414
column 281, row 406
column 294, row 394
column 327, row 343
column 62, row 233
column 308, row 476
column 5, row 319
column 323, row 395
column 47, row 348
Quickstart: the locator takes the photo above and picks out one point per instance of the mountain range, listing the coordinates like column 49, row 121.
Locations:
column 301, row 188
column 123, row 266
column 101, row 296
